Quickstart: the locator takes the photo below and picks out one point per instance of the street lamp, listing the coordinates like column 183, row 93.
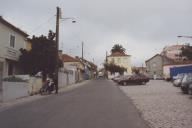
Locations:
column 69, row 18
column 58, row 17
column 184, row 36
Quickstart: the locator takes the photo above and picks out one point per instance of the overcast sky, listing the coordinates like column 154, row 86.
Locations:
column 143, row 27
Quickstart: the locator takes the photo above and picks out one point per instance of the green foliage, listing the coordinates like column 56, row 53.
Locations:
column 187, row 52
column 13, row 79
column 114, row 68
column 118, row 48
column 42, row 56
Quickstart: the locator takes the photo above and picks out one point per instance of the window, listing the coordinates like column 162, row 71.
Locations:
column 12, row 41
column 119, row 60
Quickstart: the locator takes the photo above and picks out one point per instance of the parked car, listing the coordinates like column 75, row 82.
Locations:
column 134, row 79
column 119, row 78
column 186, row 83
column 100, row 74
column 178, row 79
column 178, row 76
column 116, row 78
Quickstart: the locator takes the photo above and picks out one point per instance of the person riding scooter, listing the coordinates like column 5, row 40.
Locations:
column 50, row 86
column 47, row 87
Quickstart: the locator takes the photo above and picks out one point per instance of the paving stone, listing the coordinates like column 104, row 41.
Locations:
column 162, row 104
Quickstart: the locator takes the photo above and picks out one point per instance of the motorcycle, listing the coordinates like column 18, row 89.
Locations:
column 48, row 87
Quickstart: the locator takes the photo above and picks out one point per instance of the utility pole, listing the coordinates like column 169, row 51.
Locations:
column 82, row 51
column 106, row 61
column 57, row 49
column 58, row 17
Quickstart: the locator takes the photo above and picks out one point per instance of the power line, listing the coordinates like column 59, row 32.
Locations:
column 43, row 24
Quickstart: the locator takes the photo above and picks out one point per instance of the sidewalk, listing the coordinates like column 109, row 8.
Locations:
column 8, row 104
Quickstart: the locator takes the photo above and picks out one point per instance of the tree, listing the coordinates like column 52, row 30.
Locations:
column 118, row 48
column 187, row 52
column 114, row 68
column 136, row 70
column 42, row 56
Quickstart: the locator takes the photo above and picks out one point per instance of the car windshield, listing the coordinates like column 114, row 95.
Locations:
column 180, row 75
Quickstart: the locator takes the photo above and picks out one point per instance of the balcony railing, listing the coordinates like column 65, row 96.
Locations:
column 11, row 53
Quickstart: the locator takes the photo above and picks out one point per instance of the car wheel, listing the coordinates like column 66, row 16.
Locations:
column 185, row 91
column 124, row 83
column 189, row 91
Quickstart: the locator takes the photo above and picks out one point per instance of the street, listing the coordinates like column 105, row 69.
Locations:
column 97, row 104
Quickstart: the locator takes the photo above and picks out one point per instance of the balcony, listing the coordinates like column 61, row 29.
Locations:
column 11, row 53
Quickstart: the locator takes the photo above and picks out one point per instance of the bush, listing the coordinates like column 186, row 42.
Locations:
column 13, row 79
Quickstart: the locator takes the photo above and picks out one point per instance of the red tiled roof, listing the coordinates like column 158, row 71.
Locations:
column 159, row 55
column 173, row 47
column 152, row 57
column 84, row 60
column 3, row 21
column 118, row 54
column 67, row 58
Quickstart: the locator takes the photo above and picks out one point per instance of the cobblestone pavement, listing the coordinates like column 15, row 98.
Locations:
column 161, row 104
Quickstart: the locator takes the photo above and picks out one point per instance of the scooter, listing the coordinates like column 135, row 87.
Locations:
column 47, row 88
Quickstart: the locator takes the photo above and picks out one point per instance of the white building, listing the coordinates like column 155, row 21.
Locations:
column 11, row 40
column 173, row 52
column 121, row 59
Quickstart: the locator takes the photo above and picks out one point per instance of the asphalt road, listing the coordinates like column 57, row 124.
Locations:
column 98, row 104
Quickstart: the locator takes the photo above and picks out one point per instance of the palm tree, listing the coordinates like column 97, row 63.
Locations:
column 118, row 48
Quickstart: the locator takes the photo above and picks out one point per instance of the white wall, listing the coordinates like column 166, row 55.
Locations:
column 35, row 84
column 62, row 79
column 66, row 77
column 14, row 90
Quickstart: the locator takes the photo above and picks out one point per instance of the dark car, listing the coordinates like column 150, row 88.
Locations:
column 135, row 79
column 186, row 83
column 119, row 78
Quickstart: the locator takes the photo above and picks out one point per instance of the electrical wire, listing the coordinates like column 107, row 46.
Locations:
column 43, row 24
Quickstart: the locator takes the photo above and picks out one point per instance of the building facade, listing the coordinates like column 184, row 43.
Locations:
column 173, row 52
column 154, row 65
column 90, row 69
column 11, row 40
column 71, row 63
column 122, row 60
